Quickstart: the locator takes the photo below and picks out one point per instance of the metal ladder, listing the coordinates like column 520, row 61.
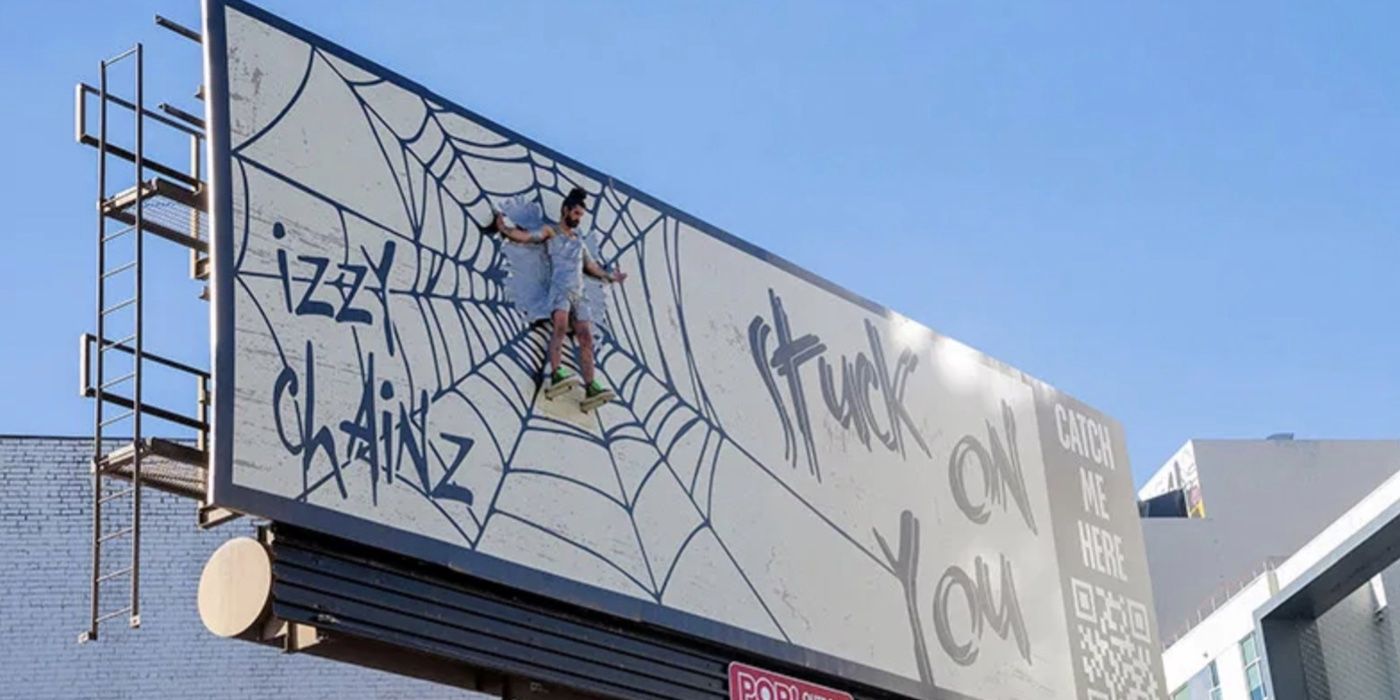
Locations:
column 114, row 361
column 123, row 315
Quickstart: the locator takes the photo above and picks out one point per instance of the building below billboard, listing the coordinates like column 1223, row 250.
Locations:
column 1266, row 498
column 1302, row 533
column 43, row 571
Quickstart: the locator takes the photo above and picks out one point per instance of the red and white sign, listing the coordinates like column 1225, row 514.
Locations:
column 749, row 683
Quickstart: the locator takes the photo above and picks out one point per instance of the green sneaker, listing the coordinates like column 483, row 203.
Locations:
column 595, row 395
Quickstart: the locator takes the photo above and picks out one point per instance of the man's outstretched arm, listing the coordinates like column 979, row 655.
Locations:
column 593, row 268
column 518, row 234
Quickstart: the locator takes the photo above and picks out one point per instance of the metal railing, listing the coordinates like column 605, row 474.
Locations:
column 1220, row 596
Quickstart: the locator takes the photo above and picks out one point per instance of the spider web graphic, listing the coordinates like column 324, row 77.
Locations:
column 427, row 412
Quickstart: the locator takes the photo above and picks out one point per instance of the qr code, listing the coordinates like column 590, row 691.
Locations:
column 1115, row 638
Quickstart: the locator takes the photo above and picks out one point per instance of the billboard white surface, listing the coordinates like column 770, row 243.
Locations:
column 790, row 469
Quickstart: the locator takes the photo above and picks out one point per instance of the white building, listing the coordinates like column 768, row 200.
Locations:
column 1260, row 530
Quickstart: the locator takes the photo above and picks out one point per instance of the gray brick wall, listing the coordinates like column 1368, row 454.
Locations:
column 44, row 560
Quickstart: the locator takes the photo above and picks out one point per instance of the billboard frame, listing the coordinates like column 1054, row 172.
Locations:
column 631, row 610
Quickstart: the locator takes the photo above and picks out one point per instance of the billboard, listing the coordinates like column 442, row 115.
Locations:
column 789, row 470
column 1179, row 474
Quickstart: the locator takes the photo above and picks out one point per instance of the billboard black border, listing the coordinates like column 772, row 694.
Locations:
column 224, row 492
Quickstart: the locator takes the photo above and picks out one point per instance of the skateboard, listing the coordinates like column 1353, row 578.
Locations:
column 586, row 404
column 591, row 402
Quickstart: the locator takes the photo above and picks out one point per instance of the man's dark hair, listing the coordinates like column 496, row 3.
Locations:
column 576, row 198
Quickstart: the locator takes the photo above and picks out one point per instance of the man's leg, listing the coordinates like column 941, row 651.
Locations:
column 583, row 336
column 556, row 341
column 594, row 393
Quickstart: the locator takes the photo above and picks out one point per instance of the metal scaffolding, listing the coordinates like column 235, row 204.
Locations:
column 114, row 360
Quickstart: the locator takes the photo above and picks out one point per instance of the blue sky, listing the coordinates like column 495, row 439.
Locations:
column 1183, row 213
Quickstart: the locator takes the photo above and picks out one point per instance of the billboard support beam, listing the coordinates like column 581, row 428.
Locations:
column 179, row 29
column 182, row 115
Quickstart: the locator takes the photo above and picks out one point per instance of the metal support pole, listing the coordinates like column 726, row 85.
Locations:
column 194, row 173
column 137, row 359
column 101, row 333
column 202, row 411
column 194, row 212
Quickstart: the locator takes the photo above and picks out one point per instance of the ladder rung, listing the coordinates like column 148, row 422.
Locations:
column 111, row 344
column 115, row 495
column 119, row 307
column 120, row 56
column 119, row 380
column 115, row 534
column 114, row 613
column 121, row 417
column 119, row 270
column 118, row 234
column 114, row 574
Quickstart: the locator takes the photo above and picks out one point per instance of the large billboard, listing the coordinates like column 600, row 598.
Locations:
column 789, row 470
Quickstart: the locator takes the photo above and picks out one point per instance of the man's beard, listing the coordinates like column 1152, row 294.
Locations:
column 572, row 222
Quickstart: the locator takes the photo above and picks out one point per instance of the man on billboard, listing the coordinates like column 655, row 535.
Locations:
column 553, row 286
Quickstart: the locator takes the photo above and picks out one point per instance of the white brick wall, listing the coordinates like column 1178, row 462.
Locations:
column 44, row 560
